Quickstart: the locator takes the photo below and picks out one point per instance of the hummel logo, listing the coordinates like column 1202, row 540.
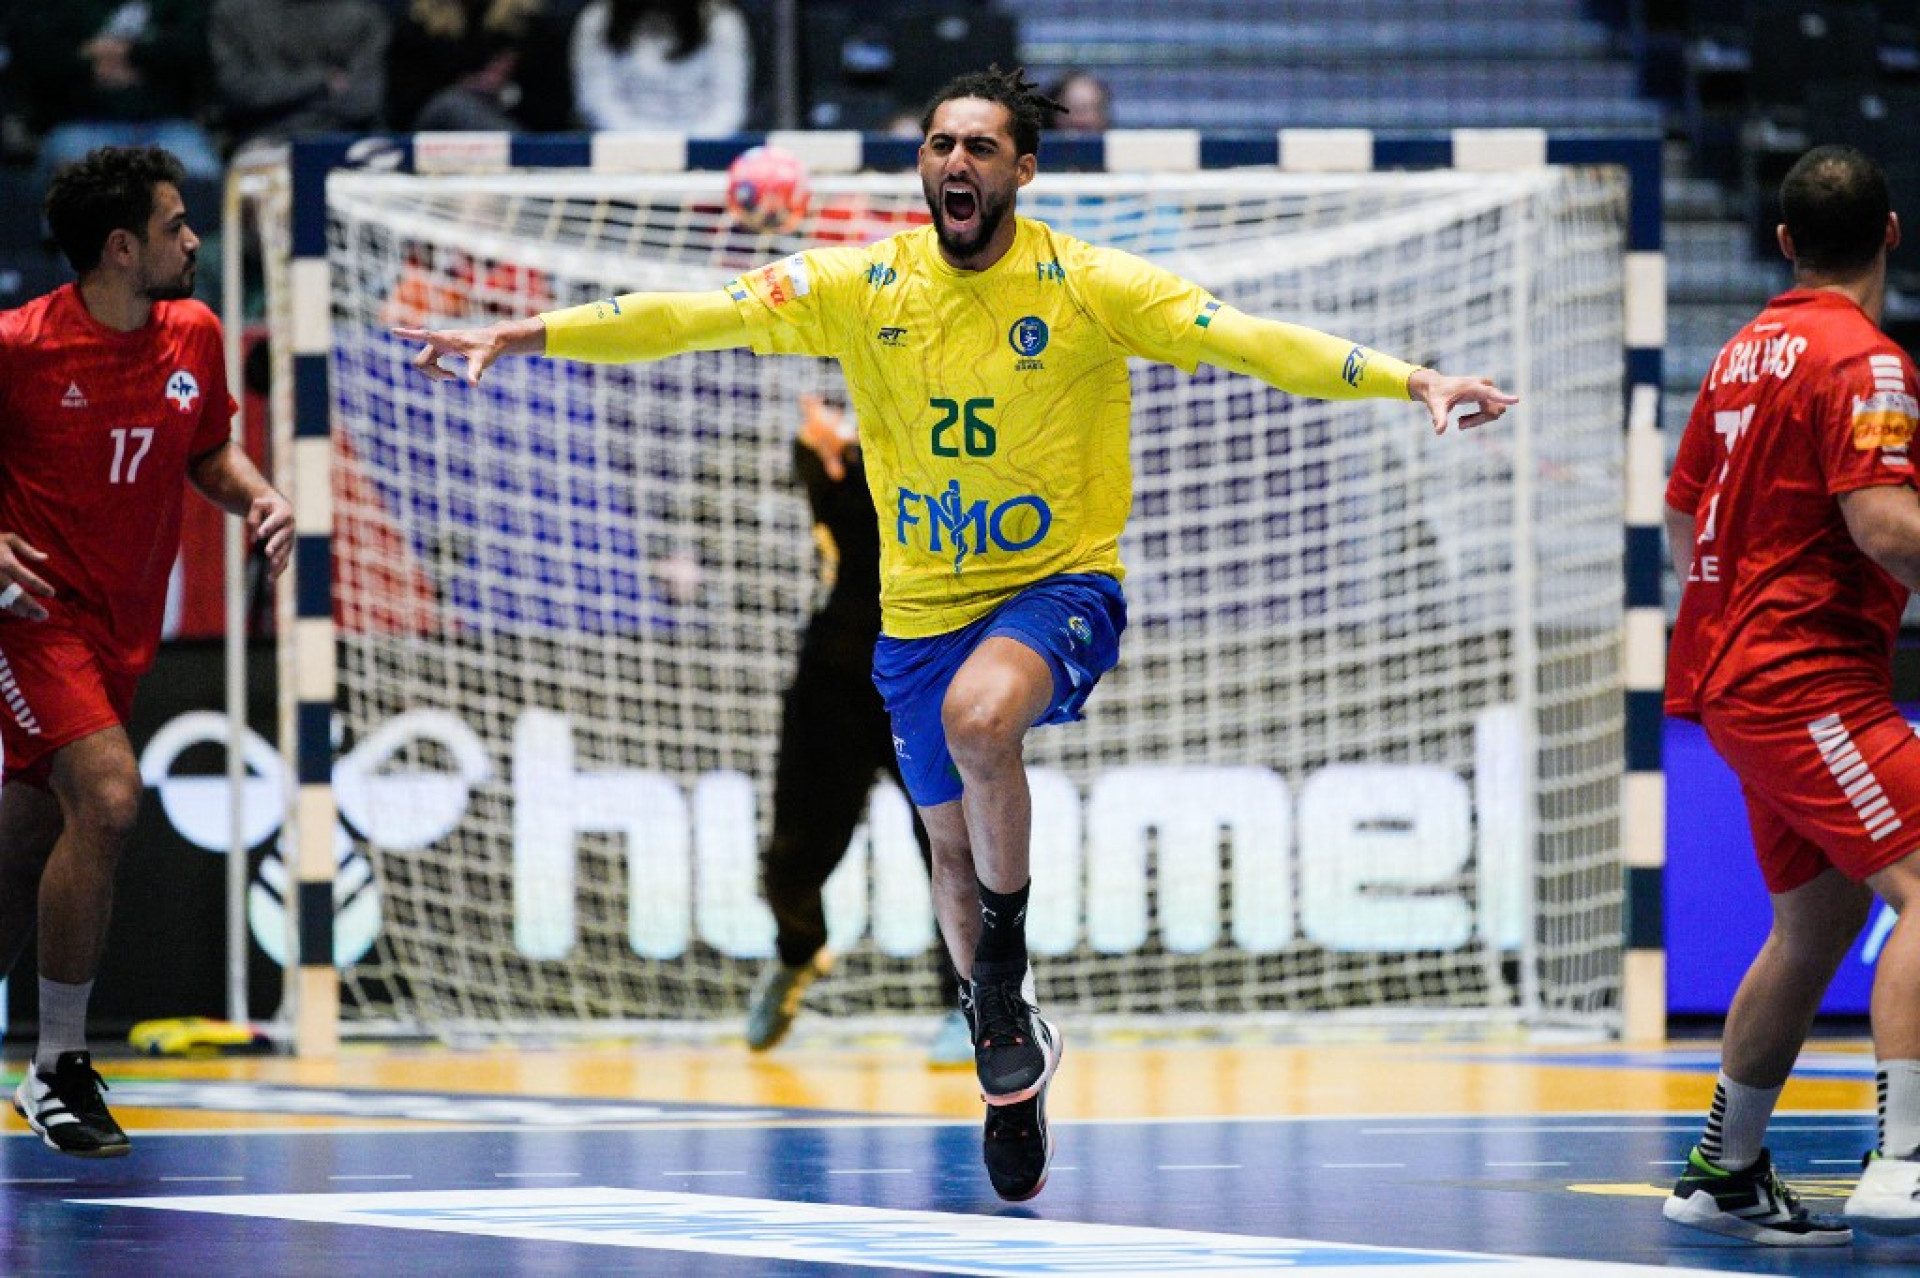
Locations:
column 75, row 397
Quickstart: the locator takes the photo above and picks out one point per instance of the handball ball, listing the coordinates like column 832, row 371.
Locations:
column 767, row 189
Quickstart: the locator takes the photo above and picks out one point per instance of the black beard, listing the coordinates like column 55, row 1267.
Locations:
column 991, row 216
column 178, row 290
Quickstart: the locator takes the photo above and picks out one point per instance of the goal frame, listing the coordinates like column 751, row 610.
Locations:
column 302, row 435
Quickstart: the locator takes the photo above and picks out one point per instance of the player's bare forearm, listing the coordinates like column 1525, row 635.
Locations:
column 1680, row 534
column 228, row 478
column 479, row 347
column 1884, row 522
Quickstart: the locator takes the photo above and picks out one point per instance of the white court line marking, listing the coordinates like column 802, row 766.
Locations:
column 869, row 1171
column 186, row 1179
column 823, row 1235
column 1668, row 1162
column 38, row 1180
column 1199, row 1167
column 1584, row 1129
column 375, row 1176
column 1549, row 1164
column 1358, row 1166
column 1835, row 1162
column 703, row 1173
column 533, row 1175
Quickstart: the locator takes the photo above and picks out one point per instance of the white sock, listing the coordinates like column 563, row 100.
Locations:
column 1898, row 1083
column 63, row 1022
column 1737, row 1125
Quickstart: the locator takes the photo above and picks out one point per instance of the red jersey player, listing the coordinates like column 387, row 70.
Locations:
column 1793, row 520
column 113, row 391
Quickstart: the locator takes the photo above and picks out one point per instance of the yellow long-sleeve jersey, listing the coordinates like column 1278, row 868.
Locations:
column 993, row 404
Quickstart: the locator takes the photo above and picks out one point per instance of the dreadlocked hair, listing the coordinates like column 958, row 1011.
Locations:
column 1030, row 109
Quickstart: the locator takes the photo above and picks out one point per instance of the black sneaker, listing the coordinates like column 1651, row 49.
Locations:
column 1018, row 1148
column 1752, row 1204
column 66, row 1110
column 1015, row 1050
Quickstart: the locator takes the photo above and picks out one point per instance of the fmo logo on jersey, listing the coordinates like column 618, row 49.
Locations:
column 953, row 524
column 1366, row 857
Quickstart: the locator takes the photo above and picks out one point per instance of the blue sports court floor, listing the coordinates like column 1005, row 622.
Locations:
column 830, row 1158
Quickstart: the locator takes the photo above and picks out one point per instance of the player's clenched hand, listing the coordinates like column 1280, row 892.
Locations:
column 1443, row 394
column 270, row 527
column 479, row 347
column 22, row 582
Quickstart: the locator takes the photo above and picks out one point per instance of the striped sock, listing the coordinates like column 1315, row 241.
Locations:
column 1898, row 1086
column 1737, row 1124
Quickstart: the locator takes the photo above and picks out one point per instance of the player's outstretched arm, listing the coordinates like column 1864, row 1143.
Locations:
column 1306, row 361
column 615, row 330
column 19, row 583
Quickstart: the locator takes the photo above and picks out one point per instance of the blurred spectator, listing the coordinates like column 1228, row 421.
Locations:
column 1088, row 101
column 479, row 64
column 662, row 64
column 905, row 123
column 109, row 72
column 286, row 67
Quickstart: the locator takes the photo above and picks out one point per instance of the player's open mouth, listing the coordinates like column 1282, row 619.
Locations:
column 959, row 203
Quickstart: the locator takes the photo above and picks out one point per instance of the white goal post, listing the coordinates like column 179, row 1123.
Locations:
column 1384, row 739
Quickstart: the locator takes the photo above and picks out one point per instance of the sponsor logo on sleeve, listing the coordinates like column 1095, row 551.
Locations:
column 797, row 275
column 775, row 287
column 1886, row 418
column 1205, row 317
column 1356, row 366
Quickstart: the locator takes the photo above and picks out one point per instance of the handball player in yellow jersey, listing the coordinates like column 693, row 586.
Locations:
column 986, row 356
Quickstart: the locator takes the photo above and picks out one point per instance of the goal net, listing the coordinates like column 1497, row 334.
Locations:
column 1362, row 755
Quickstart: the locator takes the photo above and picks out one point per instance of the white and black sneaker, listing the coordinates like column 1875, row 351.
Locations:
column 65, row 1108
column 1015, row 1049
column 1887, row 1199
column 1753, row 1204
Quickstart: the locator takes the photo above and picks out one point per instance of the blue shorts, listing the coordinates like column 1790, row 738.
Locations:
column 1073, row 620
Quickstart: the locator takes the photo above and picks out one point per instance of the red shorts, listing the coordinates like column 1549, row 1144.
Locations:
column 1837, row 784
column 54, row 690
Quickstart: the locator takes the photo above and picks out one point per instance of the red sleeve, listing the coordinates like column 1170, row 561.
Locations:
column 1693, row 466
column 1863, row 421
column 9, row 338
column 216, row 406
